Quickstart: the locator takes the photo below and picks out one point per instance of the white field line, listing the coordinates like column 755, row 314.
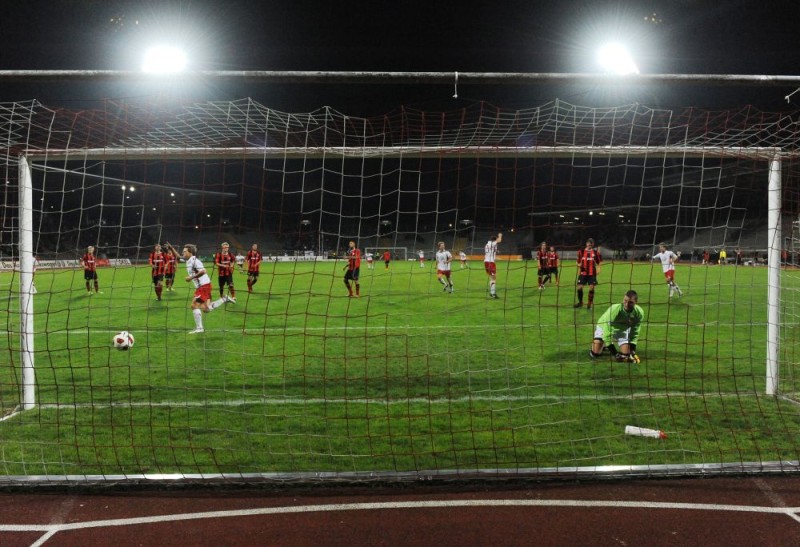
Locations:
column 338, row 328
column 293, row 401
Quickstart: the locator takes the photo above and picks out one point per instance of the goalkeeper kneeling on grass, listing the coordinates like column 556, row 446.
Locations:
column 618, row 329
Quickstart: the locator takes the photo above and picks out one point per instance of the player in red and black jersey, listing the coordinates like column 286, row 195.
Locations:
column 253, row 260
column 158, row 263
column 541, row 262
column 353, row 267
column 170, row 263
column 89, row 263
column 225, row 261
column 588, row 267
column 552, row 265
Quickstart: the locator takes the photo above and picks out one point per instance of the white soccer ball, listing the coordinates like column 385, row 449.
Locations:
column 123, row 341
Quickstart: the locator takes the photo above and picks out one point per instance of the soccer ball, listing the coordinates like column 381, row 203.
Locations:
column 123, row 341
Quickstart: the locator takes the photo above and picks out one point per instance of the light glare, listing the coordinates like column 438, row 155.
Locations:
column 615, row 59
column 164, row 60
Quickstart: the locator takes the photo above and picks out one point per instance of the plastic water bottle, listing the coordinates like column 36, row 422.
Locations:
column 644, row 432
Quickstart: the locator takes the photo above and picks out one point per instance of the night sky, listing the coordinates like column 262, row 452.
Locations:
column 675, row 36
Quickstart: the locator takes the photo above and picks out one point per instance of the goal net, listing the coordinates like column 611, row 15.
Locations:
column 395, row 253
column 314, row 373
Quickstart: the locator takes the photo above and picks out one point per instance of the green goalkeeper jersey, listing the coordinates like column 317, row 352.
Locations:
column 617, row 319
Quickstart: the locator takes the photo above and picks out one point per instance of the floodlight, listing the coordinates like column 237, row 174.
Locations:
column 164, row 60
column 615, row 59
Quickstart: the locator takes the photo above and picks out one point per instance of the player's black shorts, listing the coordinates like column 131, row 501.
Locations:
column 587, row 280
column 158, row 278
column 254, row 275
column 169, row 275
column 89, row 275
column 225, row 280
column 351, row 274
column 543, row 271
column 553, row 271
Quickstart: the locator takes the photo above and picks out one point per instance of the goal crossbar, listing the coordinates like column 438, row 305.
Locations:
column 176, row 153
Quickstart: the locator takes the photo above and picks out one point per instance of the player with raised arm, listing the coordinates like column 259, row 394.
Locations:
column 171, row 263
column 668, row 259
column 618, row 329
column 588, row 267
column 443, row 260
column 353, row 268
column 89, row 263
column 197, row 275
column 253, row 260
column 224, row 262
column 489, row 264
column 158, row 266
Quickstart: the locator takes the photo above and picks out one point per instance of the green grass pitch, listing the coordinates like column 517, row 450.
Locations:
column 299, row 378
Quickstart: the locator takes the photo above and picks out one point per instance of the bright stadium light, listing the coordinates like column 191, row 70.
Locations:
column 164, row 60
column 615, row 59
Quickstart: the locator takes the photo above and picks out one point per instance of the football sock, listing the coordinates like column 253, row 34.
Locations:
column 580, row 296
column 591, row 297
column 492, row 287
column 198, row 318
column 216, row 304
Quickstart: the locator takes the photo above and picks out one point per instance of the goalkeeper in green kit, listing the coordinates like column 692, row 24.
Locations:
column 618, row 329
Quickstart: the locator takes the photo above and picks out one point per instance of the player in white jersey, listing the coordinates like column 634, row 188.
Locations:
column 370, row 260
column 668, row 259
column 489, row 256
column 462, row 256
column 197, row 275
column 422, row 259
column 443, row 260
column 240, row 260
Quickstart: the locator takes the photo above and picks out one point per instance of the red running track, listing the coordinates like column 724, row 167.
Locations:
column 751, row 510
